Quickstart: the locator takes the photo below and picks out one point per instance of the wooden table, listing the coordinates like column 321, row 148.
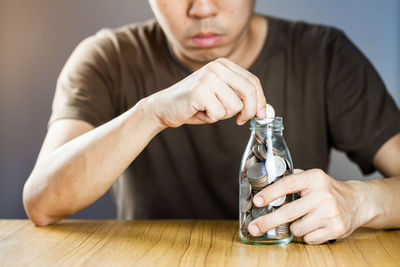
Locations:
column 178, row 243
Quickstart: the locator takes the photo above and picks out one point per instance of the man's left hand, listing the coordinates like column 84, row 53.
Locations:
column 327, row 209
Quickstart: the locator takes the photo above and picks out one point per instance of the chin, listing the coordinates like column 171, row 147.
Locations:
column 207, row 56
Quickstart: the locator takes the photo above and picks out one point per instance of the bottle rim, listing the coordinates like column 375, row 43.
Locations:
column 276, row 124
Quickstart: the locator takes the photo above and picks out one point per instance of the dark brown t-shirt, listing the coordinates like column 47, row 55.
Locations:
column 327, row 92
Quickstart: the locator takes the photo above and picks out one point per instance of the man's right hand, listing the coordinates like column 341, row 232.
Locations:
column 219, row 90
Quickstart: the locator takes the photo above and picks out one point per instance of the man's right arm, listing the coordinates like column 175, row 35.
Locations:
column 70, row 172
column 78, row 164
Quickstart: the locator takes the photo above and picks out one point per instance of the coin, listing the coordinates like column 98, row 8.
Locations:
column 282, row 231
column 270, row 115
column 278, row 202
column 249, row 162
column 259, row 138
column 256, row 170
column 248, row 220
column 243, row 225
column 270, row 111
column 271, row 233
column 245, row 204
column 245, row 189
column 278, row 146
column 260, row 152
column 289, row 165
column 258, row 212
column 257, row 176
column 258, row 184
column 280, row 166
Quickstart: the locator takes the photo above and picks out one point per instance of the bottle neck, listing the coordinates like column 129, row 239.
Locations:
column 275, row 126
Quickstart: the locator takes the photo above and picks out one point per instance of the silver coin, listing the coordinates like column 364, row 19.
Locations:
column 282, row 231
column 259, row 184
column 280, row 166
column 256, row 170
column 243, row 225
column 252, row 159
column 270, row 115
column 271, row 233
column 283, row 228
column 248, row 220
column 259, row 138
column 289, row 166
column 258, row 212
column 278, row 146
column 260, row 152
column 245, row 189
column 278, row 202
column 245, row 204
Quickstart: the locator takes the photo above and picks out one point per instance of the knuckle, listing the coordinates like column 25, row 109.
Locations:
column 221, row 113
column 197, row 92
column 220, row 60
column 286, row 214
column 217, row 115
column 320, row 177
column 339, row 228
column 291, row 182
column 229, row 112
column 249, row 93
column 262, row 223
column 238, row 106
column 208, row 76
column 296, row 229
column 320, row 174
column 254, row 79
column 213, row 66
column 307, row 239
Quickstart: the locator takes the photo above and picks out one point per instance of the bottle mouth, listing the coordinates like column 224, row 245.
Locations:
column 276, row 124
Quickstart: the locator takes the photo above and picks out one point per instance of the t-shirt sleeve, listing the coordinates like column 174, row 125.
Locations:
column 86, row 88
column 362, row 115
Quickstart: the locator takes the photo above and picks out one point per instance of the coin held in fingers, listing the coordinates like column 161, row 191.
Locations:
column 269, row 110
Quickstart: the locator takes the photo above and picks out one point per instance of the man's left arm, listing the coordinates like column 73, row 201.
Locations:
column 385, row 192
column 330, row 209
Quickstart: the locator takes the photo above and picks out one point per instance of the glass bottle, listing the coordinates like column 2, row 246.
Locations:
column 265, row 161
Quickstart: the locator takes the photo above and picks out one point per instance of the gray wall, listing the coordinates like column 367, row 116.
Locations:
column 36, row 38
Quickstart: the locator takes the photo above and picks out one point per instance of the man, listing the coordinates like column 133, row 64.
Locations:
column 129, row 102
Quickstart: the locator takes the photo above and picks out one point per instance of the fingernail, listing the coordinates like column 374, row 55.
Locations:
column 262, row 113
column 253, row 229
column 258, row 201
column 241, row 122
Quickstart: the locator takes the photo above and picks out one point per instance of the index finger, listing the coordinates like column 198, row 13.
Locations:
column 261, row 99
column 289, row 184
column 285, row 214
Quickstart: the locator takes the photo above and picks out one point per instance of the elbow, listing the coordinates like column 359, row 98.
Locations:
column 34, row 209
column 40, row 220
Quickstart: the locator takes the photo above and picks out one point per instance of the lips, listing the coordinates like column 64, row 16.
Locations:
column 207, row 39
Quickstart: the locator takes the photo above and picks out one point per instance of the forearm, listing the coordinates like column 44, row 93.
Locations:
column 80, row 171
column 378, row 202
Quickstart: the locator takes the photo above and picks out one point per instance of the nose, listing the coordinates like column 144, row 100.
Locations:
column 200, row 9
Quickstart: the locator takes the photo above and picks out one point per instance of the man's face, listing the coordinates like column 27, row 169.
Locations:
column 203, row 30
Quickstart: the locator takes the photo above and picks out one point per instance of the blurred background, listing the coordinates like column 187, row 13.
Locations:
column 37, row 37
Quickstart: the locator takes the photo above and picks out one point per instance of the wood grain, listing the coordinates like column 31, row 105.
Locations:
column 178, row 243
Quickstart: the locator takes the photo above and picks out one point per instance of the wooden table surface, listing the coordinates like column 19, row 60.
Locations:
column 179, row 243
